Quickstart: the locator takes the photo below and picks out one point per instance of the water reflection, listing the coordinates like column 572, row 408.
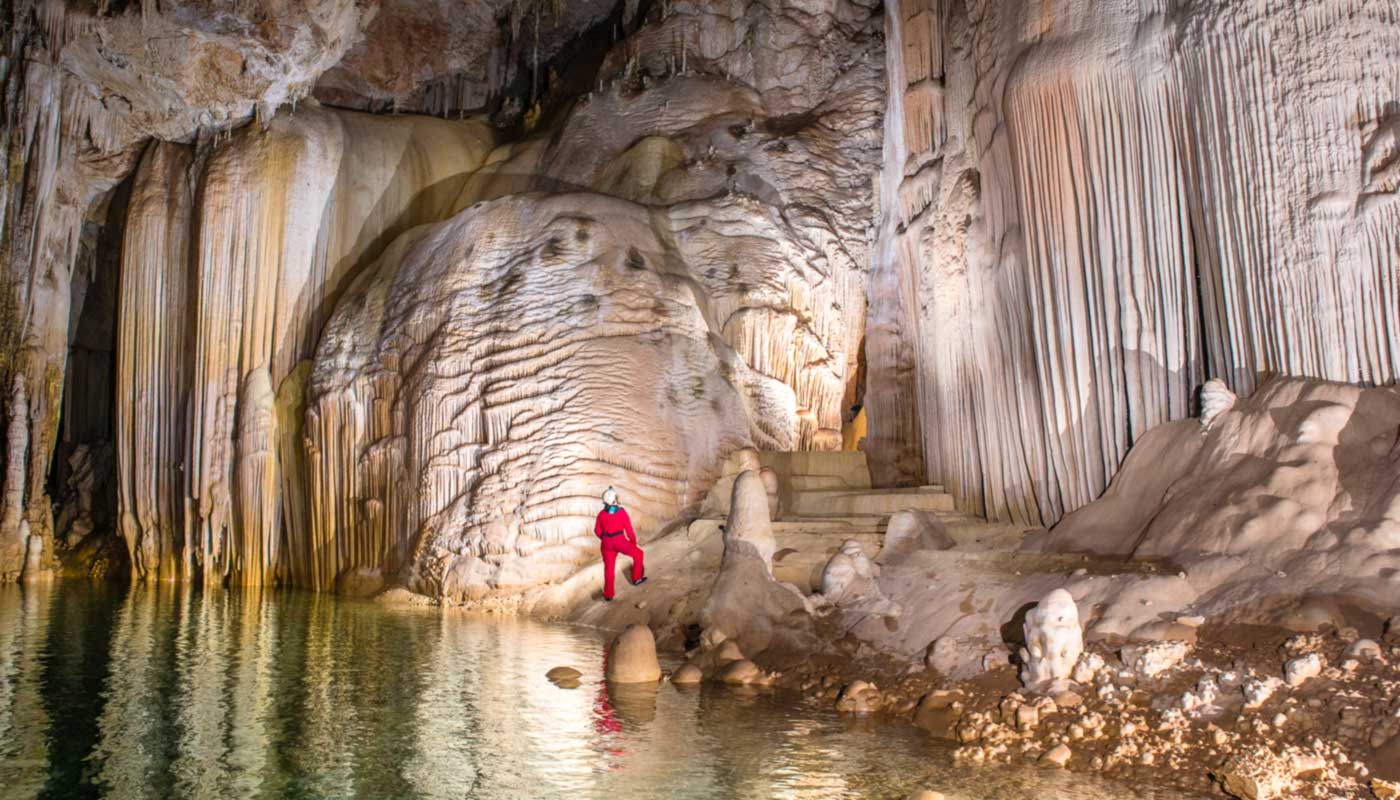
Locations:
column 171, row 691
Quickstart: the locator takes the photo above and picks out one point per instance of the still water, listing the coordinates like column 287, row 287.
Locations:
column 111, row 691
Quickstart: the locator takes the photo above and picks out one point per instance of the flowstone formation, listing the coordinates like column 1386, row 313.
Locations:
column 526, row 355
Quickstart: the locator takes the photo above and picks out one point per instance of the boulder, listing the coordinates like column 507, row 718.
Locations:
column 741, row 673
column 1057, row 756
column 911, row 531
column 1363, row 650
column 850, row 575
column 1298, row 670
column 632, row 657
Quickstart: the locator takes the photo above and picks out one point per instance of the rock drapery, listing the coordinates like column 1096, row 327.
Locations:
column 1093, row 209
column 286, row 214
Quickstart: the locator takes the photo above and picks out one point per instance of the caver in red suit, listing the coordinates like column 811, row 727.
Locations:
column 614, row 529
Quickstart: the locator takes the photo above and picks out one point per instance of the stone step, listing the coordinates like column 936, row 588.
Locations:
column 837, row 502
column 847, row 466
column 808, row 483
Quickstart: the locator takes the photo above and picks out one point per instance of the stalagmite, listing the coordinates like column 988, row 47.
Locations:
column 747, row 606
column 16, row 451
column 1054, row 641
column 1216, row 399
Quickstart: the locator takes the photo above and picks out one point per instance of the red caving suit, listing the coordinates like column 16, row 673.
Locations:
column 615, row 531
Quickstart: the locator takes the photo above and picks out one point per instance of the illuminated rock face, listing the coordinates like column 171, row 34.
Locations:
column 1094, row 209
column 476, row 392
column 554, row 334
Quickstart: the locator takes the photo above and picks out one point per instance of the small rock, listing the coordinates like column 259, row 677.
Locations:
column 1057, row 756
column 1068, row 699
column 927, row 794
column 859, row 698
column 1086, row 668
column 1027, row 717
column 1258, row 774
column 1307, row 764
column 561, row 674
column 1258, row 692
column 1363, row 650
column 1385, row 790
column 1151, row 659
column 687, row 675
column 741, row 673
column 1298, row 670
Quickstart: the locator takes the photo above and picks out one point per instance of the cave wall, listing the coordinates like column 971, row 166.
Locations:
column 747, row 207
column 1101, row 205
column 1084, row 210
column 85, row 86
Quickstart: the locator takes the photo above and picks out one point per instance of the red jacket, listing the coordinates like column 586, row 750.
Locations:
column 614, row 523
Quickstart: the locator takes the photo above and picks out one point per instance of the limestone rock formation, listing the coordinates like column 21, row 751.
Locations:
column 758, row 186
column 849, row 581
column 748, row 606
column 1216, row 399
column 442, row 57
column 1054, row 640
column 1293, row 489
column 1036, row 310
column 910, row 532
column 288, row 214
column 632, row 657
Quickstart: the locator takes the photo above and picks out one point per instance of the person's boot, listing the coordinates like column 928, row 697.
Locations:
column 640, row 581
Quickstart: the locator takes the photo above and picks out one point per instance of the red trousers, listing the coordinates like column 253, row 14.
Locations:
column 612, row 545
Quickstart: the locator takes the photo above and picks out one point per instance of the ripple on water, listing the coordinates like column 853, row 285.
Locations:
column 165, row 691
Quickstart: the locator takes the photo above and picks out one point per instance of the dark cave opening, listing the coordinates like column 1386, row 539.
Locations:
column 82, row 474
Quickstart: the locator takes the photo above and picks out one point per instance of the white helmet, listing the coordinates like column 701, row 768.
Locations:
column 610, row 496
